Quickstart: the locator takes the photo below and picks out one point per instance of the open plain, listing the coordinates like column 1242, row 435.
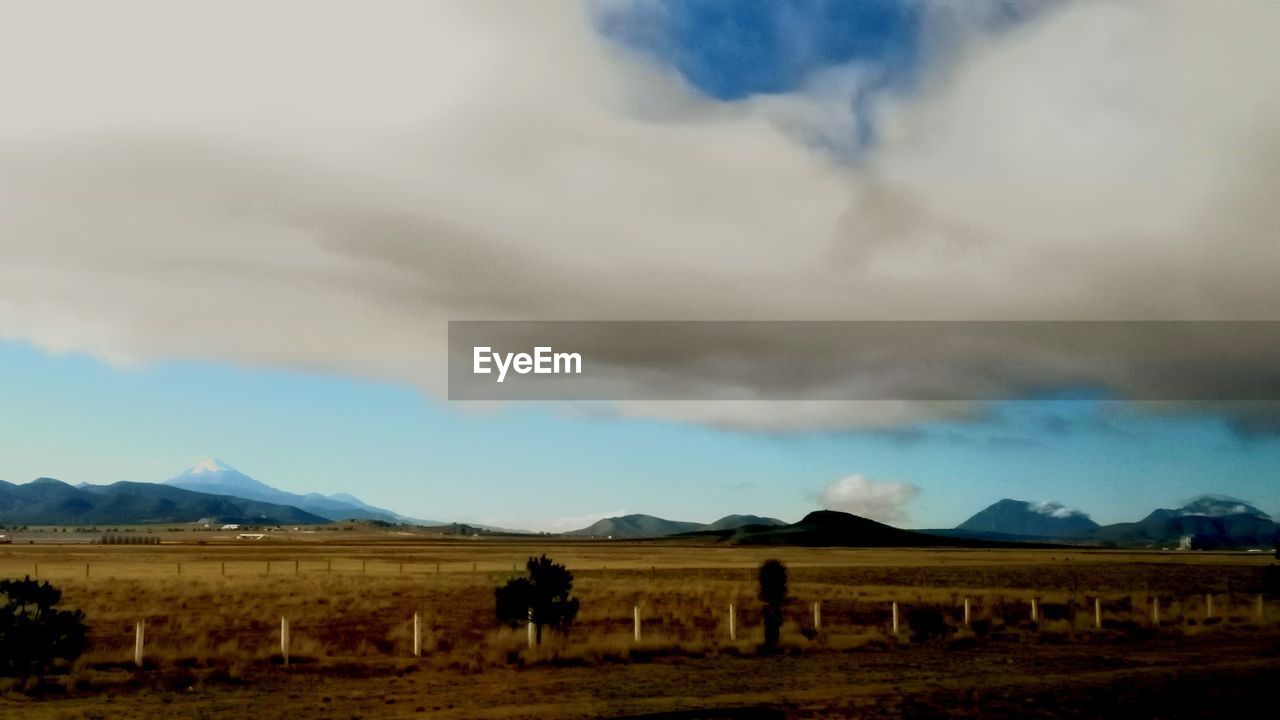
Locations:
column 212, row 609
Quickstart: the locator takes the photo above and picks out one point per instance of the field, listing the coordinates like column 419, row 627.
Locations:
column 213, row 611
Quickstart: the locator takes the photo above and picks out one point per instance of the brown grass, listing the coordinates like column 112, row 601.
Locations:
column 351, row 607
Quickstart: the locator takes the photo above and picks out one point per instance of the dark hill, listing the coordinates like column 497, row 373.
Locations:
column 46, row 501
column 829, row 528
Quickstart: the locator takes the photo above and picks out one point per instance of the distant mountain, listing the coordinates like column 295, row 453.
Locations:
column 216, row 477
column 732, row 522
column 635, row 526
column 46, row 501
column 648, row 526
column 830, row 528
column 1207, row 522
column 1219, row 506
column 1039, row 520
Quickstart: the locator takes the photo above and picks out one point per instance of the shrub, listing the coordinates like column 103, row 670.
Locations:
column 927, row 624
column 34, row 634
column 773, row 593
column 544, row 597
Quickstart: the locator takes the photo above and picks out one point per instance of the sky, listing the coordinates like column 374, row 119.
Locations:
column 252, row 254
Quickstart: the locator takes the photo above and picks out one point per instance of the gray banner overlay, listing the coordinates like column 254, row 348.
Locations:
column 864, row 360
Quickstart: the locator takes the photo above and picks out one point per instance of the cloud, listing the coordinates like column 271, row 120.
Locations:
column 1057, row 510
column 326, row 196
column 882, row 501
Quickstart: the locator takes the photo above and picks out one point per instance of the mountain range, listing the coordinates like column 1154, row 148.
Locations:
column 213, row 490
column 1209, row 521
column 46, row 501
column 218, row 478
column 648, row 526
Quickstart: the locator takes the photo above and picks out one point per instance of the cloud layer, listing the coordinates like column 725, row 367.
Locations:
column 321, row 186
column 883, row 501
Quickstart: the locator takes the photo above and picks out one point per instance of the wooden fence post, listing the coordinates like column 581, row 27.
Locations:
column 1208, row 605
column 1035, row 610
column 284, row 639
column 895, row 618
column 532, row 630
column 1097, row 613
column 86, row 569
column 417, row 635
column 817, row 614
column 636, row 612
column 733, row 623
column 224, row 569
column 138, row 637
column 967, row 614
column 295, row 568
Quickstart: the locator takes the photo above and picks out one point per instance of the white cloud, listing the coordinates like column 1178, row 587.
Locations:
column 883, row 501
column 322, row 185
column 1056, row 510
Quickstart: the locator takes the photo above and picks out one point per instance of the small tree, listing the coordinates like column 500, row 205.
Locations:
column 34, row 634
column 773, row 593
column 542, row 598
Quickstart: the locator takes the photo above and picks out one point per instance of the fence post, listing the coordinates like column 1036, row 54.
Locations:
column 224, row 569
column 733, row 623
column 295, row 568
column 1097, row 613
column 284, row 639
column 417, row 635
column 532, row 630
column 636, row 612
column 966, row 612
column 817, row 614
column 86, row 569
column 895, row 618
column 1155, row 611
column 1035, row 610
column 138, row 637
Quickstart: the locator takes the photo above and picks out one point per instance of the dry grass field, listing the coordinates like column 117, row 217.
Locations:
column 212, row 616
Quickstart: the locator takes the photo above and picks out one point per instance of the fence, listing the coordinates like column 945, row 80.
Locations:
column 892, row 610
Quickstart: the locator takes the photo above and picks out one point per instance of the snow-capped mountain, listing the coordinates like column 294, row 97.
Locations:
column 1042, row 519
column 1219, row 506
column 216, row 477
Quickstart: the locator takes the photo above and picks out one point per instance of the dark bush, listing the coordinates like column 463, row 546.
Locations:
column 927, row 624
column 773, row 593
column 34, row 634
column 543, row 597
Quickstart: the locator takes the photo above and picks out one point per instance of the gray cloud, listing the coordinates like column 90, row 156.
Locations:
column 329, row 193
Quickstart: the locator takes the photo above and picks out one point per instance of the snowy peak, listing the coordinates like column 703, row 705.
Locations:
column 207, row 466
column 211, row 475
column 1055, row 510
column 1039, row 519
column 1219, row 506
